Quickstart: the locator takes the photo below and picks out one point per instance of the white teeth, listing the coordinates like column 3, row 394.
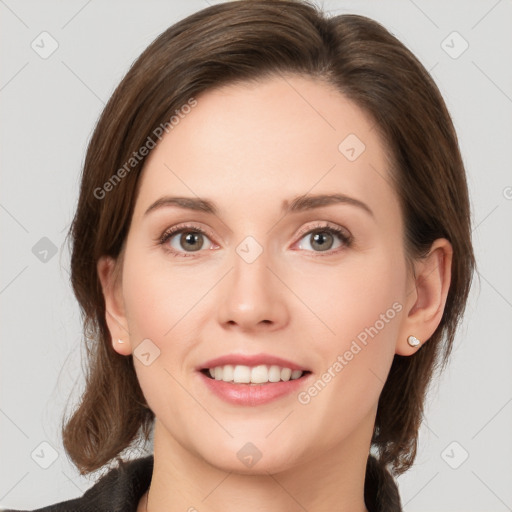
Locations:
column 286, row 374
column 227, row 373
column 274, row 373
column 296, row 374
column 241, row 374
column 259, row 374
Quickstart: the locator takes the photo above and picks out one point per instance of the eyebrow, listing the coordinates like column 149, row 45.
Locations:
column 298, row 204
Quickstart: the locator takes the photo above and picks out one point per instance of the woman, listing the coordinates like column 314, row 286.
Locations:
column 272, row 252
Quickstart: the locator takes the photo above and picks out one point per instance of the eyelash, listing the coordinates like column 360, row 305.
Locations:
column 345, row 238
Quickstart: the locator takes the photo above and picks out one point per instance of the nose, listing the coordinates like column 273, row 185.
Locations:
column 252, row 297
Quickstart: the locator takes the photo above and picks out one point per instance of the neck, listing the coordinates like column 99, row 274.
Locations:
column 331, row 480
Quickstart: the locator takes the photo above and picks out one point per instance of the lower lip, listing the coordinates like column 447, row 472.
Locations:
column 256, row 394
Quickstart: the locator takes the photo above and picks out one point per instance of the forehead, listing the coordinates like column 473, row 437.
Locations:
column 282, row 136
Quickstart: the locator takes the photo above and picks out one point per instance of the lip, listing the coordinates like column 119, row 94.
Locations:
column 251, row 360
column 254, row 394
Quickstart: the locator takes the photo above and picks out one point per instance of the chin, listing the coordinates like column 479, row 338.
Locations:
column 258, row 457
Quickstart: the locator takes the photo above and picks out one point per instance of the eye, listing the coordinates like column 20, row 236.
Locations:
column 323, row 238
column 180, row 240
column 189, row 239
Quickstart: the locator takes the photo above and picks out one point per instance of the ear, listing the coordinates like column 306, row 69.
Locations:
column 114, row 306
column 427, row 297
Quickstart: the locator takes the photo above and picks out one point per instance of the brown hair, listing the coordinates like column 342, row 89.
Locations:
column 250, row 40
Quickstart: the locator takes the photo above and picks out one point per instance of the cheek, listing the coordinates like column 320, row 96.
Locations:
column 343, row 302
column 157, row 297
column 352, row 296
column 360, row 308
column 363, row 309
column 159, row 306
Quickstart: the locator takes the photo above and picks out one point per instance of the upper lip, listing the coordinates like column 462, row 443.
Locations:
column 251, row 360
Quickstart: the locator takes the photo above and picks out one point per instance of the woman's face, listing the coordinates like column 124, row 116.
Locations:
column 266, row 275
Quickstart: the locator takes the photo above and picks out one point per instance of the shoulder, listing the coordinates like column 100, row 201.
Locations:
column 119, row 490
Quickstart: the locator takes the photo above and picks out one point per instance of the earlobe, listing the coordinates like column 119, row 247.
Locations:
column 427, row 298
column 121, row 347
column 114, row 309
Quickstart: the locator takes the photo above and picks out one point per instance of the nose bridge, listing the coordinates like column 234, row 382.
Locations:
column 251, row 296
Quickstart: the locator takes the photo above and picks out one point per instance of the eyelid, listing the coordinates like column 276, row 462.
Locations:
column 323, row 225
column 343, row 233
column 183, row 227
column 168, row 233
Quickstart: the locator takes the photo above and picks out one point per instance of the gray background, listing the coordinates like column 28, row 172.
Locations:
column 49, row 108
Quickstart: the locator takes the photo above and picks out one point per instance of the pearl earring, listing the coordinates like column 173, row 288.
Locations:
column 413, row 341
column 120, row 341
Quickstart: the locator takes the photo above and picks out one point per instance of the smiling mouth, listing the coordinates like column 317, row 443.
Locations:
column 305, row 373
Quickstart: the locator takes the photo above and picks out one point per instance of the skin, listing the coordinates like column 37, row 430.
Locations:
column 247, row 148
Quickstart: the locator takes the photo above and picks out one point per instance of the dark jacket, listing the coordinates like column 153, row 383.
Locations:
column 121, row 489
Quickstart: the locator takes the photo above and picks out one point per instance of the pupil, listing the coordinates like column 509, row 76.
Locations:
column 319, row 238
column 190, row 238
